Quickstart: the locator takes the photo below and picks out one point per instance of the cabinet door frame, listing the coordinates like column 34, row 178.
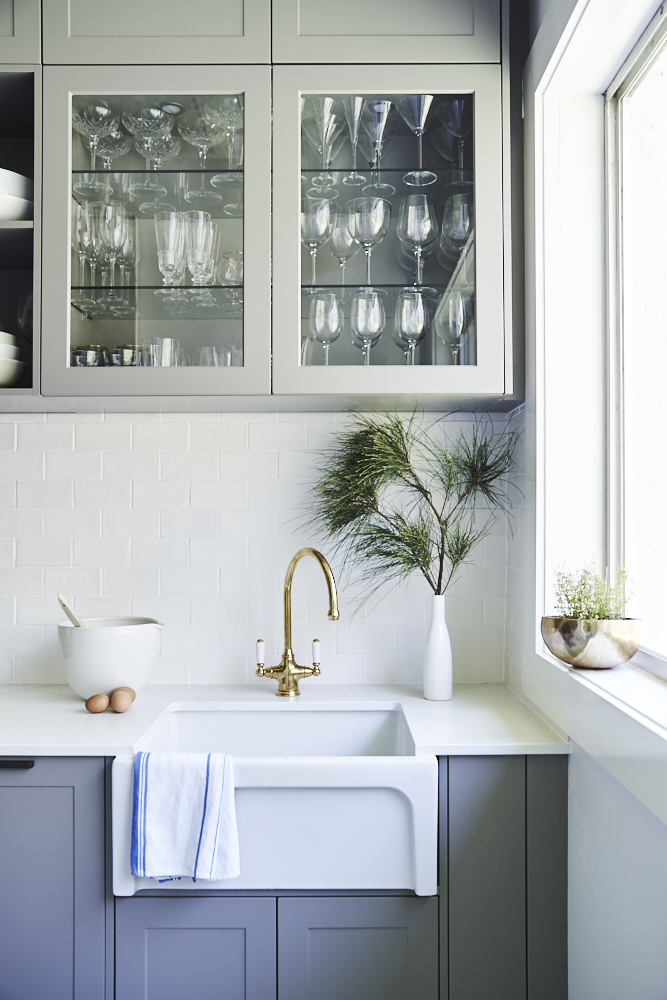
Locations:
column 62, row 47
column 60, row 85
column 488, row 376
column 480, row 46
column 25, row 44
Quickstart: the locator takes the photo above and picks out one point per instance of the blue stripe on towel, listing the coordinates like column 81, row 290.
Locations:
column 139, row 795
column 203, row 816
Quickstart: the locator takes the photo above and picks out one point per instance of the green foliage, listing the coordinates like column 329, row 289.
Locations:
column 587, row 595
column 397, row 497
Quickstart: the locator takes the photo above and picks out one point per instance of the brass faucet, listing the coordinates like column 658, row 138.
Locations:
column 288, row 672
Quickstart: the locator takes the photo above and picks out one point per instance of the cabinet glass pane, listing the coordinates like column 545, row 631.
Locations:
column 387, row 229
column 157, row 231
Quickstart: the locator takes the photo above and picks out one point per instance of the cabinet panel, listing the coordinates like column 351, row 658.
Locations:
column 487, row 878
column 461, row 347
column 386, row 31
column 99, row 32
column 358, row 948
column 20, row 35
column 52, row 921
column 175, row 948
column 218, row 338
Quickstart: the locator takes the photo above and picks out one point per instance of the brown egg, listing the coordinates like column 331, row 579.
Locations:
column 129, row 691
column 121, row 701
column 97, row 703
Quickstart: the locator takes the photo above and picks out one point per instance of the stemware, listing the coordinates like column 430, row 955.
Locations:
column 343, row 246
column 444, row 143
column 353, row 108
column 113, row 232
column 170, row 240
column 456, row 115
column 93, row 121
column 235, row 208
column 325, row 320
column 230, row 272
column 82, row 237
column 367, row 221
column 166, row 148
column 411, row 320
column 227, row 110
column 417, row 226
column 202, row 132
column 148, row 123
column 453, row 318
column 199, row 236
column 112, row 146
column 317, row 221
column 367, row 321
column 322, row 136
column 414, row 111
column 457, row 224
column 126, row 261
column 374, row 122
column 91, row 236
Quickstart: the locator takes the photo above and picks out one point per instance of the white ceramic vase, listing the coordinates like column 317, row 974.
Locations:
column 438, row 677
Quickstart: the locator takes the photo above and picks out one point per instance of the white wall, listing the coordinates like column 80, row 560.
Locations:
column 193, row 520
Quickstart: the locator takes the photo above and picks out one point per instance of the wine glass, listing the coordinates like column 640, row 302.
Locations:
column 414, row 112
column 343, row 246
column 325, row 320
column 411, row 320
column 126, row 261
column 113, row 232
column 367, row 221
column 93, row 121
column 147, row 123
column 367, row 321
column 456, row 115
column 91, row 240
column 317, row 221
column 170, row 240
column 444, row 143
column 163, row 149
column 111, row 147
column 199, row 235
column 374, row 122
column 417, row 226
column 321, row 136
column 453, row 317
column 226, row 110
column 353, row 108
column 81, row 241
column 203, row 133
column 457, row 224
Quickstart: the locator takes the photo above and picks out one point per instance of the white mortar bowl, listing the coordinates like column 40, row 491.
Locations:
column 109, row 653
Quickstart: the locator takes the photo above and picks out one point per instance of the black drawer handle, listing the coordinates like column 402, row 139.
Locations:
column 16, row 765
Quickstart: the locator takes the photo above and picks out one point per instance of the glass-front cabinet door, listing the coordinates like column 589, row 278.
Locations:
column 157, row 219
column 388, row 230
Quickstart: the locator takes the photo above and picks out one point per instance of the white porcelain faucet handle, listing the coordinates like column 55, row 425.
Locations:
column 316, row 652
column 259, row 645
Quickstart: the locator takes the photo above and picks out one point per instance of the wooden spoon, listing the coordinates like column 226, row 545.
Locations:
column 70, row 612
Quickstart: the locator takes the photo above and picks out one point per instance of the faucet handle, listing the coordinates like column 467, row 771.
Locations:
column 259, row 646
column 316, row 656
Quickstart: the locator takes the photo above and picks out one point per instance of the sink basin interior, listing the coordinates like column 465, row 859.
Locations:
column 280, row 733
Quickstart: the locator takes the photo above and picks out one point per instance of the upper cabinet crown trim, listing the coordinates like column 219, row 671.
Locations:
column 156, row 32
column 386, row 31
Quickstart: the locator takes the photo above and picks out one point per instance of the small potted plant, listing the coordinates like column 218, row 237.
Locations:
column 397, row 497
column 591, row 630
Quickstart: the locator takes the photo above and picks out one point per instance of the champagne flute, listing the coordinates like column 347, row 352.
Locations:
column 417, row 226
column 326, row 320
column 113, row 229
column 317, row 221
column 414, row 111
column 367, row 221
column 81, row 240
column 411, row 320
column 374, row 122
column 353, row 108
column 367, row 321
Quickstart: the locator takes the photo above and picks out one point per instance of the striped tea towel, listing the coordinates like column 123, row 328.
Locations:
column 183, row 817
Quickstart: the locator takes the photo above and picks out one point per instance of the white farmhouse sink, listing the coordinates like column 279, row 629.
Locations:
column 338, row 789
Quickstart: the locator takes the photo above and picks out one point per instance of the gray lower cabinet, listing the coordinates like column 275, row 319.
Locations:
column 200, row 948
column 358, row 948
column 52, row 868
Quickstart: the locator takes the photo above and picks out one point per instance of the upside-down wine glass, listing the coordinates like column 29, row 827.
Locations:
column 353, row 108
column 367, row 221
column 203, row 133
column 325, row 320
column 367, row 321
column 417, row 227
column 317, row 222
column 414, row 112
column 343, row 246
column 411, row 320
column 374, row 123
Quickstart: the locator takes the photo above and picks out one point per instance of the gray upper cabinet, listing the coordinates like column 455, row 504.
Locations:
column 385, row 31
column 112, row 32
column 20, row 40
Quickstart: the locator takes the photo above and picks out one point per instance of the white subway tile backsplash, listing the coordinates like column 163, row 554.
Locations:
column 192, row 520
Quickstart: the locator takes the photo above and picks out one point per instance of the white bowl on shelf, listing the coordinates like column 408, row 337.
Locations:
column 16, row 185
column 10, row 372
column 7, row 338
column 8, row 351
column 14, row 209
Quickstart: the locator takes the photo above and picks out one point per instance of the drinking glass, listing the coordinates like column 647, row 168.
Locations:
column 325, row 321
column 342, row 246
column 230, row 272
column 374, row 122
column 456, row 115
column 411, row 320
column 367, row 321
column 207, row 357
column 91, row 237
column 322, row 137
column 453, row 317
column 417, row 226
column 317, row 222
column 199, row 236
column 126, row 261
column 170, row 240
column 353, row 108
column 227, row 110
column 202, row 132
column 148, row 123
column 93, row 121
column 111, row 147
column 81, row 241
column 113, row 231
column 457, row 224
column 235, row 208
column 367, row 221
column 414, row 112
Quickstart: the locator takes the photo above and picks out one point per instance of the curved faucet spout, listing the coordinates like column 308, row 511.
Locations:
column 333, row 615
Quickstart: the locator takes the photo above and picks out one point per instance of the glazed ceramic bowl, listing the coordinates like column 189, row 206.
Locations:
column 591, row 643
column 9, row 351
column 7, row 338
column 109, row 653
column 16, row 185
column 14, row 209
column 10, row 371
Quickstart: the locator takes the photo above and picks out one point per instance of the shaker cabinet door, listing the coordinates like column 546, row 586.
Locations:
column 52, row 903
column 113, row 32
column 176, row 948
column 386, row 31
column 358, row 948
column 20, row 31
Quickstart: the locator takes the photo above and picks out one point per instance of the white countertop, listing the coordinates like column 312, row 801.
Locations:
column 51, row 720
